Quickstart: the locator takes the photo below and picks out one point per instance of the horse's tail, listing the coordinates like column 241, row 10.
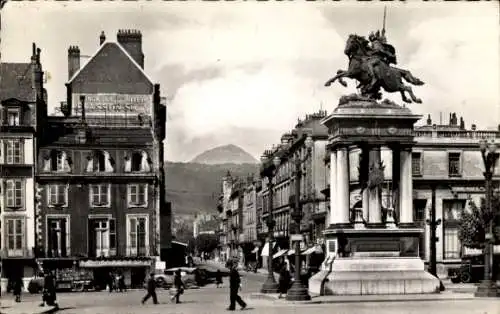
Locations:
column 407, row 76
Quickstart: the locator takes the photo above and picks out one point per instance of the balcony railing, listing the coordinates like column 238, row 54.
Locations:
column 28, row 253
column 458, row 134
column 137, row 251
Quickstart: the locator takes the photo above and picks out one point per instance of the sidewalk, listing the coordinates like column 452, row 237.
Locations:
column 444, row 296
column 25, row 307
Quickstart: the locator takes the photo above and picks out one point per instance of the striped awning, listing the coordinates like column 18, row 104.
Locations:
column 280, row 253
column 315, row 249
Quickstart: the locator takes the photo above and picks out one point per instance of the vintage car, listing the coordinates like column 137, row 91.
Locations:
column 192, row 277
column 471, row 269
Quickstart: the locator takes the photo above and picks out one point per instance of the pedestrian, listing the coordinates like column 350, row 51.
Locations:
column 111, row 281
column 218, row 278
column 18, row 287
column 179, row 286
column 121, row 282
column 49, row 290
column 151, row 290
column 284, row 280
column 234, row 287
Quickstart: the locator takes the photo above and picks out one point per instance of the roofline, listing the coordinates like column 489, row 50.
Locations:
column 98, row 50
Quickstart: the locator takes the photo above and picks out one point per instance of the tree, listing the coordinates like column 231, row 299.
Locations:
column 474, row 223
column 206, row 242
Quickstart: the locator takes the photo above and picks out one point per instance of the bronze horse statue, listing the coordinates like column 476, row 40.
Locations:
column 387, row 77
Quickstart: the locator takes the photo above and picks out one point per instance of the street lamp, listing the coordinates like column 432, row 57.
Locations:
column 487, row 287
column 298, row 291
column 270, row 286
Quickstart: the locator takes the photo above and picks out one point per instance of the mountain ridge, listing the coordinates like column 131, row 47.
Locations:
column 224, row 154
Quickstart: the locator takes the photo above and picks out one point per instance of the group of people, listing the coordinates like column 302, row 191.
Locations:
column 49, row 289
column 116, row 282
column 151, row 288
column 234, row 287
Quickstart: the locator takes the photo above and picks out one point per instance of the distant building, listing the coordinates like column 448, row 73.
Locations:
column 204, row 224
column 23, row 100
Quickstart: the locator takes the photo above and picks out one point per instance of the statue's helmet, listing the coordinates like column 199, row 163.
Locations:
column 371, row 36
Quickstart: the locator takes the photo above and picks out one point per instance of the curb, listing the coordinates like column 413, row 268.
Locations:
column 334, row 299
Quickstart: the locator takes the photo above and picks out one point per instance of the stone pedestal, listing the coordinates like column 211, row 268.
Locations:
column 368, row 254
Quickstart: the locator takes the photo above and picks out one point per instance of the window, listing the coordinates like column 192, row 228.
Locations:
column 137, row 195
column 101, row 162
column 15, row 193
column 58, row 195
column 100, row 195
column 137, row 240
column 136, row 161
column 59, row 161
column 451, row 244
column 13, row 117
column 112, row 235
column 15, row 236
column 454, row 168
column 14, row 152
column 58, row 236
column 416, row 164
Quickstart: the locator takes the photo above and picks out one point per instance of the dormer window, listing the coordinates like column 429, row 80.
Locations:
column 100, row 161
column 57, row 161
column 13, row 117
column 138, row 162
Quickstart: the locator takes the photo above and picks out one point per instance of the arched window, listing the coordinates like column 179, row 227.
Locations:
column 136, row 161
column 100, row 161
column 59, row 161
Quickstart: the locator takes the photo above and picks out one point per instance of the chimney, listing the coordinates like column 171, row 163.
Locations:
column 462, row 123
column 73, row 60
column 473, row 127
column 131, row 41
column 429, row 120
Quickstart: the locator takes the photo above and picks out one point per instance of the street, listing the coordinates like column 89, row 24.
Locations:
column 215, row 300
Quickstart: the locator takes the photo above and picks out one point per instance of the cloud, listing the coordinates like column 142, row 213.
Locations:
column 239, row 68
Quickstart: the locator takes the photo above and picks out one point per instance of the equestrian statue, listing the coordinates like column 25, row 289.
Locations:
column 370, row 63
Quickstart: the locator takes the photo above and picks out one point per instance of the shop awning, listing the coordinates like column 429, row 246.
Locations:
column 116, row 263
column 315, row 249
column 256, row 249
column 265, row 249
column 280, row 253
column 291, row 252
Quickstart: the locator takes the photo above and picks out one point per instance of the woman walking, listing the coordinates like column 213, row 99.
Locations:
column 179, row 286
column 284, row 280
column 18, row 287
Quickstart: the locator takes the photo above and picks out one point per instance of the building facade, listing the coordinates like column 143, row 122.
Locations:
column 101, row 183
column 23, row 100
column 312, row 182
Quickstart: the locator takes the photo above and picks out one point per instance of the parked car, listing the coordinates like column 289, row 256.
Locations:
column 192, row 277
column 210, row 271
column 470, row 270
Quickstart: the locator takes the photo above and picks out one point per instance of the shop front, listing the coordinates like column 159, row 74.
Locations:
column 134, row 269
column 12, row 268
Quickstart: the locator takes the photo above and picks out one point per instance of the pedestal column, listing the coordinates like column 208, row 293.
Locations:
column 363, row 178
column 332, row 217
column 405, row 188
column 395, row 180
column 375, row 205
column 342, row 183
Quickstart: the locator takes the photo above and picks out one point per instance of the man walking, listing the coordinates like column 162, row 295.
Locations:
column 234, row 287
column 151, row 290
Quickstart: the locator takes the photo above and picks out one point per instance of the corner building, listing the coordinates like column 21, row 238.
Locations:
column 22, row 102
column 100, row 176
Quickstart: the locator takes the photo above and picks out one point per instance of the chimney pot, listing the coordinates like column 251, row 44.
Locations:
column 473, row 127
column 102, row 38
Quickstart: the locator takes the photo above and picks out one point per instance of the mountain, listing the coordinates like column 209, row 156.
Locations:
column 195, row 187
column 223, row 155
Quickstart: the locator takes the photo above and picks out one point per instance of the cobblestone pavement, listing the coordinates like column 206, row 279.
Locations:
column 208, row 300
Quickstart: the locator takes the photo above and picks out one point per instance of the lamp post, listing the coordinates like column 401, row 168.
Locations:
column 298, row 291
column 487, row 287
column 270, row 286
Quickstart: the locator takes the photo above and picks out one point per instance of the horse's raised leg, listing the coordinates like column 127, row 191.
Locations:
column 409, row 77
column 403, row 96
column 340, row 75
column 412, row 95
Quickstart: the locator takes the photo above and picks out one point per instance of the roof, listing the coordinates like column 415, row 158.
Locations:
column 16, row 82
column 111, row 70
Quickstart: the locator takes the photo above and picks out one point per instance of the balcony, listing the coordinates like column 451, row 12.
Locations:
column 458, row 134
column 135, row 251
column 21, row 253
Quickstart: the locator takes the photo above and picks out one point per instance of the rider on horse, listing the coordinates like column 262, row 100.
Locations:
column 380, row 52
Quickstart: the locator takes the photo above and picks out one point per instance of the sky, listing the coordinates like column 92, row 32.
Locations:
column 243, row 72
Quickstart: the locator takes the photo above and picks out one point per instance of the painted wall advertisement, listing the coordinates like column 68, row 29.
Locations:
column 113, row 104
